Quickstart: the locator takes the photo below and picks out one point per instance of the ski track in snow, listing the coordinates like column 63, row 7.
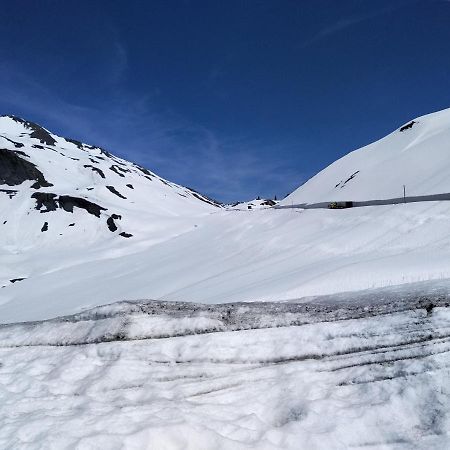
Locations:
column 365, row 373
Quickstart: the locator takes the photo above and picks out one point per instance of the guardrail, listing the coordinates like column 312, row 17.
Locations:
column 387, row 201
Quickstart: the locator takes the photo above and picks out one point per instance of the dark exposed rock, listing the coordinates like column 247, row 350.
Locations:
column 14, row 170
column 45, row 199
column 115, row 170
column 343, row 183
column 95, row 169
column 40, row 147
column 68, row 202
column 75, row 142
column 408, row 126
column 204, row 198
column 110, row 222
column 144, row 171
column 38, row 185
column 268, row 202
column 72, row 224
column 16, row 144
column 4, row 222
column 20, row 152
column 103, row 151
column 130, row 186
column 353, row 175
column 9, row 192
column 14, row 280
column 65, row 202
column 122, row 169
column 115, row 192
column 125, row 235
column 37, row 132
column 44, row 227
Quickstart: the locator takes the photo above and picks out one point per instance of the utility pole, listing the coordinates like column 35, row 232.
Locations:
column 404, row 194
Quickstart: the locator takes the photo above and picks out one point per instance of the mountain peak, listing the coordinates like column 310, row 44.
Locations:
column 35, row 131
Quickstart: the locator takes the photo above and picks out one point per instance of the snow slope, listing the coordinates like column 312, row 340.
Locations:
column 76, row 188
column 417, row 156
column 238, row 256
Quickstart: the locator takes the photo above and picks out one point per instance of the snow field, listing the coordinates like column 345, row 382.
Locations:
column 236, row 256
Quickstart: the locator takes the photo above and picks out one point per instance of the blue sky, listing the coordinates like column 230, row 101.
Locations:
column 233, row 98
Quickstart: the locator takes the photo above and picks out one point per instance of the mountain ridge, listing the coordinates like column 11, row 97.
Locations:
column 82, row 176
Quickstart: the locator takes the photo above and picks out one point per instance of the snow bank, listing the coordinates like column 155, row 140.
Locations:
column 377, row 381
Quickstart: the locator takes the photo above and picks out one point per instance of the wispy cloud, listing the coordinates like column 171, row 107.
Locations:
column 347, row 22
column 224, row 167
column 119, row 64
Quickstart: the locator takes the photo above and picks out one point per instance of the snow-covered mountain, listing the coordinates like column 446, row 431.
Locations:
column 185, row 248
column 57, row 188
column 416, row 155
